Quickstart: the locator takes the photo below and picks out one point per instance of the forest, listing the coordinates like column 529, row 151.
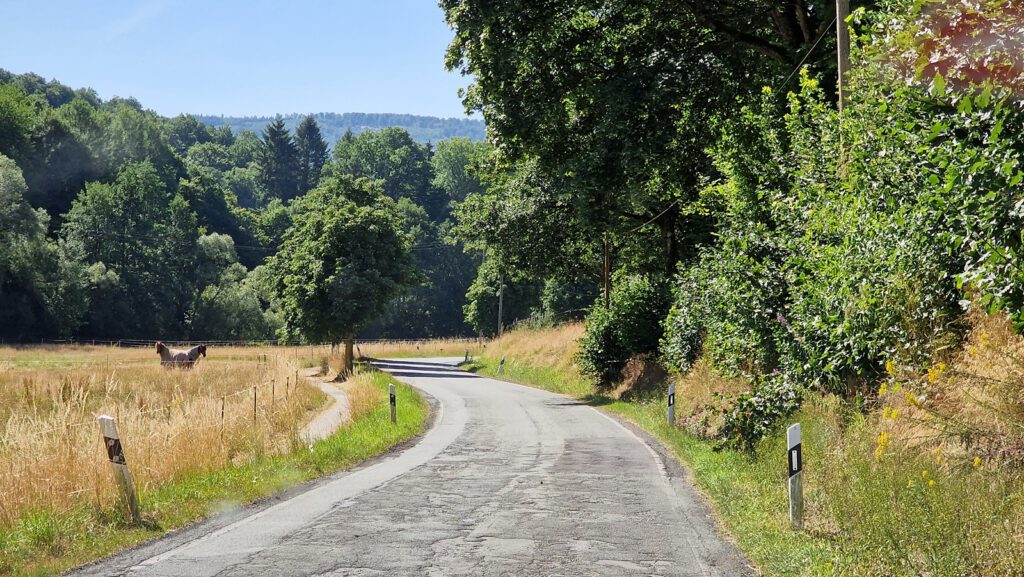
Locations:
column 422, row 129
column 118, row 223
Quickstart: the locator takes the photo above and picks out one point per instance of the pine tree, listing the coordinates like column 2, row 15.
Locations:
column 312, row 153
column 279, row 161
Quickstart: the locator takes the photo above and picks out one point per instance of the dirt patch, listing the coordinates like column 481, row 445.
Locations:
column 642, row 376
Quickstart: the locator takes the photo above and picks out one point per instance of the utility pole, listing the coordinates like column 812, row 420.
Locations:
column 607, row 274
column 501, row 300
column 842, row 47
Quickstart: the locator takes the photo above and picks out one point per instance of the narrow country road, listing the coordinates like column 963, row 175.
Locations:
column 508, row 481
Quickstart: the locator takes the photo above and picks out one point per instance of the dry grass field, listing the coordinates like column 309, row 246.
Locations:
column 172, row 422
column 425, row 348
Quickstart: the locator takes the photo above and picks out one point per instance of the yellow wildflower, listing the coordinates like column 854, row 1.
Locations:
column 910, row 483
column 972, row 350
column 931, row 482
column 984, row 339
column 935, row 372
column 886, row 411
column 890, row 367
column 883, row 442
column 924, row 474
column 895, row 414
column 976, row 463
column 911, row 399
column 938, row 458
column 882, row 390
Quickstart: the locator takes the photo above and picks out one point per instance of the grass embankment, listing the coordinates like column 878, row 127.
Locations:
column 60, row 507
column 908, row 502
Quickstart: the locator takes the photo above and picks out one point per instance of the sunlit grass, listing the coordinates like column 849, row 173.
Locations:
column 60, row 506
column 866, row 515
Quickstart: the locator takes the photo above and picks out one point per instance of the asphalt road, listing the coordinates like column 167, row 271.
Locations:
column 508, row 481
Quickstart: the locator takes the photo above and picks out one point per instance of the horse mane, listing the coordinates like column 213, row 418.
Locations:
column 164, row 352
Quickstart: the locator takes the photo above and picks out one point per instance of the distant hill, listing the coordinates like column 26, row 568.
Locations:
column 422, row 128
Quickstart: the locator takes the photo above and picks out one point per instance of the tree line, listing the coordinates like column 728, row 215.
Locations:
column 117, row 223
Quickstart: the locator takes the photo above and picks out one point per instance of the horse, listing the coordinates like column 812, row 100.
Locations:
column 178, row 358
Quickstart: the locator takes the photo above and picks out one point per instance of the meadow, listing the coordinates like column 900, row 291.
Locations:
column 225, row 432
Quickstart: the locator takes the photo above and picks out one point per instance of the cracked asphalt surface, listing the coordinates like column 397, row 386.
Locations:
column 508, row 481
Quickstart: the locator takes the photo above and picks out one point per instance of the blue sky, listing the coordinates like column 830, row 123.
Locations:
column 240, row 58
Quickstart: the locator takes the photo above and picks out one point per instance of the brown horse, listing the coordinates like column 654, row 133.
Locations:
column 178, row 358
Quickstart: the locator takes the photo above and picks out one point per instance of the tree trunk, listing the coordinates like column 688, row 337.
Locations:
column 348, row 354
column 667, row 223
column 607, row 277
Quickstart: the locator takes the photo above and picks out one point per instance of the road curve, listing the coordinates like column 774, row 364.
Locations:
column 508, row 481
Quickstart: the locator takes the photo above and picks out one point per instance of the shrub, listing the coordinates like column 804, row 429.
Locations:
column 631, row 325
column 751, row 416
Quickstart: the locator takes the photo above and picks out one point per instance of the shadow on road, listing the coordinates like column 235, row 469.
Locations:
column 588, row 401
column 412, row 368
column 432, row 375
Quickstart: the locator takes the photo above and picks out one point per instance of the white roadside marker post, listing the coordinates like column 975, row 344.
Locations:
column 795, row 465
column 115, row 453
column 672, row 404
column 394, row 416
column 501, row 365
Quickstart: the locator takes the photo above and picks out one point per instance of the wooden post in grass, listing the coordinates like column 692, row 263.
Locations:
column 467, row 356
column 672, row 404
column 115, row 453
column 391, row 391
column 795, row 465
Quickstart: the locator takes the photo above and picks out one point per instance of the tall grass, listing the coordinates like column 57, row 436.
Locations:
column 172, row 422
column 60, row 506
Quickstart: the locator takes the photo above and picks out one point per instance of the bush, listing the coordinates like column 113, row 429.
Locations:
column 752, row 416
column 630, row 326
column 731, row 305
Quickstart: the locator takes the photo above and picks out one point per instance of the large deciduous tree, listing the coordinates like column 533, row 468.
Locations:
column 391, row 156
column 140, row 241
column 614, row 100
column 341, row 262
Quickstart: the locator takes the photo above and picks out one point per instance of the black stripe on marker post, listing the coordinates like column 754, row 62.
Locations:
column 796, row 460
column 114, row 451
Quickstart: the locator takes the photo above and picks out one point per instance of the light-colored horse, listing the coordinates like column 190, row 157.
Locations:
column 179, row 358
